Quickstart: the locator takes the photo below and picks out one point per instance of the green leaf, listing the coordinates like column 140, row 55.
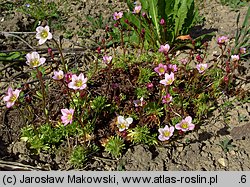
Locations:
column 153, row 11
column 39, row 95
column 180, row 17
column 169, row 7
column 144, row 4
column 161, row 7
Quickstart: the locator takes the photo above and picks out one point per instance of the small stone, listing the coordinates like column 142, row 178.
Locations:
column 222, row 162
column 179, row 148
column 232, row 152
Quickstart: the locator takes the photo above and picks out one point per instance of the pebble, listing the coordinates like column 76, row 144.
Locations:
column 179, row 148
column 222, row 162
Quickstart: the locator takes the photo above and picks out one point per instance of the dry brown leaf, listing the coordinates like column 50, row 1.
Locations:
column 184, row 37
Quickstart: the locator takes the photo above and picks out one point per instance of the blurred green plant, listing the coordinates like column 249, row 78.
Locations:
column 115, row 146
column 81, row 154
column 234, row 4
column 142, row 134
column 163, row 20
column 226, row 145
column 242, row 35
column 40, row 10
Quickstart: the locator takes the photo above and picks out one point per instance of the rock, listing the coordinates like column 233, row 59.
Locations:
column 180, row 148
column 222, row 162
column 241, row 132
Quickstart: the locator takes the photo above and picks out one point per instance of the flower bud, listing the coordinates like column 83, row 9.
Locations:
column 162, row 21
column 226, row 79
column 68, row 77
column 150, row 85
column 199, row 59
column 98, row 50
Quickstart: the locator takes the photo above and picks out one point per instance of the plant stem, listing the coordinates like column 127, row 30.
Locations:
column 61, row 55
column 39, row 76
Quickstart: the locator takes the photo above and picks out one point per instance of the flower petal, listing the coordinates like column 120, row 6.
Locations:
column 64, row 112
column 120, row 119
column 191, row 127
column 6, row 98
column 171, row 129
column 188, row 119
column 42, row 60
column 9, row 104
column 129, row 120
column 178, row 126
column 41, row 41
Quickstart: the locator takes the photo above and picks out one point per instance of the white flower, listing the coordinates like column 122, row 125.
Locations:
column 123, row 123
column 43, row 34
column 58, row 75
column 34, row 60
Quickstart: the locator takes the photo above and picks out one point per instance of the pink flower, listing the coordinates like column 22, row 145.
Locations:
column 185, row 124
column 58, row 75
column 78, row 83
column 169, row 79
column 243, row 50
column 161, row 69
column 184, row 61
column 201, row 67
column 107, row 59
column 172, row 67
column 162, row 21
column 67, row 116
column 167, row 99
column 222, row 40
column 117, row 15
column 164, row 48
column 34, row 60
column 235, row 58
column 150, row 85
column 11, row 97
column 43, row 34
column 137, row 9
column 165, row 133
column 138, row 103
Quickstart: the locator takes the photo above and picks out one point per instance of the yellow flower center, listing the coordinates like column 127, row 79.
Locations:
column 169, row 81
column 184, row 125
column 34, row 62
column 69, row 117
column 13, row 99
column 161, row 70
column 123, row 126
column 78, row 83
column 59, row 76
column 44, row 34
column 202, row 68
column 166, row 133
